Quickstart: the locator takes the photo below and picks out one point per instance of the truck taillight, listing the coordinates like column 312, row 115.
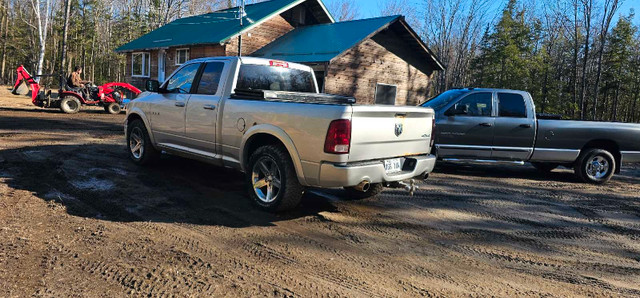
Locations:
column 338, row 138
column 432, row 140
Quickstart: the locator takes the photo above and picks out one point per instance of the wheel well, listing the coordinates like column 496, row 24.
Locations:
column 608, row 145
column 133, row 117
column 258, row 140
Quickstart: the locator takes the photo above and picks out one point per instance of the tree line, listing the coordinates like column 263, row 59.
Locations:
column 578, row 58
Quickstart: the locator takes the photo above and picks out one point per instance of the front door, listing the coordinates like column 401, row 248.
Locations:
column 168, row 110
column 203, row 107
column 467, row 135
column 515, row 129
column 161, row 65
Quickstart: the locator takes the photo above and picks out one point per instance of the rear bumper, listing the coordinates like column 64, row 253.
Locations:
column 630, row 156
column 334, row 175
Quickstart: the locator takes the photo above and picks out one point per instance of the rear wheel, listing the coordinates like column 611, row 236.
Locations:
column 373, row 190
column 141, row 151
column 70, row 105
column 545, row 167
column 113, row 108
column 272, row 181
column 595, row 166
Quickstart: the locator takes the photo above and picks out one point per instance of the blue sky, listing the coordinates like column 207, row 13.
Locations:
column 371, row 8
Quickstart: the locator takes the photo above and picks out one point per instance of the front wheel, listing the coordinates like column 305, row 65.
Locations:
column 70, row 105
column 113, row 108
column 141, row 151
column 272, row 181
column 595, row 166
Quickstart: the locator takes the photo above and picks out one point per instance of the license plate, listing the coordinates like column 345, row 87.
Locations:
column 393, row 165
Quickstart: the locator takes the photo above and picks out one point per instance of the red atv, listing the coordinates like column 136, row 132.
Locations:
column 69, row 100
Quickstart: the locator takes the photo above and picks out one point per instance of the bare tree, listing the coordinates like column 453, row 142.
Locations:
column 406, row 8
column 610, row 9
column 42, row 13
column 587, row 12
column 344, row 10
column 453, row 29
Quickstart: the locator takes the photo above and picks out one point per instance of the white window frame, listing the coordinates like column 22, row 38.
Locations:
column 186, row 57
column 395, row 98
column 144, row 65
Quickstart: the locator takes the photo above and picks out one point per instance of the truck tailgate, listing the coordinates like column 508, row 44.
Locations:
column 389, row 131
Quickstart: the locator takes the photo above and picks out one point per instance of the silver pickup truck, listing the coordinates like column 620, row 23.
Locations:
column 500, row 126
column 267, row 119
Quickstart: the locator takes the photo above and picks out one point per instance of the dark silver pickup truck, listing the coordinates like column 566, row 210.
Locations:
column 500, row 126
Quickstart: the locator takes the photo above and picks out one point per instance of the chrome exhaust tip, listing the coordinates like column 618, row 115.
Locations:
column 363, row 186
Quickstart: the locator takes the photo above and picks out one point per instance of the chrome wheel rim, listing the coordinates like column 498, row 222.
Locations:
column 597, row 168
column 136, row 143
column 266, row 179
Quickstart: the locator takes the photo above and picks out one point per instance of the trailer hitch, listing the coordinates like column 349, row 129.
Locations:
column 409, row 186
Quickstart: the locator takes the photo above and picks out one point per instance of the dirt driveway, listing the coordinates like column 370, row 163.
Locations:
column 78, row 219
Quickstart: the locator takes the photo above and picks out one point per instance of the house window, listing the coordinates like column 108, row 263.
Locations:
column 140, row 64
column 386, row 94
column 182, row 56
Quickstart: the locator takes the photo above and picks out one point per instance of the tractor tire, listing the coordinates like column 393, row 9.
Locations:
column 140, row 148
column 70, row 105
column 272, row 182
column 113, row 108
column 374, row 190
column 595, row 166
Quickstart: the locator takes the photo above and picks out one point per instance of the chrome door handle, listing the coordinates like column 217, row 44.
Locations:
column 209, row 107
column 180, row 104
column 486, row 124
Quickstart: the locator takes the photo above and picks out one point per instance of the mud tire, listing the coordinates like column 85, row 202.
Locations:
column 291, row 191
column 149, row 154
column 587, row 157
column 70, row 105
column 113, row 108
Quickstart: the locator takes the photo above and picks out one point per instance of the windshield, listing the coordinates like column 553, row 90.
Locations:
column 275, row 78
column 442, row 100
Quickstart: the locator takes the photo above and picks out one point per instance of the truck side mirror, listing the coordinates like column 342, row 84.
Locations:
column 152, row 86
column 458, row 109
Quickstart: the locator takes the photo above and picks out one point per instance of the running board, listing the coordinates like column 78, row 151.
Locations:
column 486, row 161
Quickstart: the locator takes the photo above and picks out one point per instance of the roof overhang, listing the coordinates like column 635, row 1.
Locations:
column 278, row 12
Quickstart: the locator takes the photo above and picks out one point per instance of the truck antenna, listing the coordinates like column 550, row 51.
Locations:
column 241, row 14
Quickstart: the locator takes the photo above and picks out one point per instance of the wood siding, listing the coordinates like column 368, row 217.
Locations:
column 357, row 72
column 261, row 36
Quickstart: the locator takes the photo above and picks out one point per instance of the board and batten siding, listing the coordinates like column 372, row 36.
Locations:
column 259, row 36
column 357, row 72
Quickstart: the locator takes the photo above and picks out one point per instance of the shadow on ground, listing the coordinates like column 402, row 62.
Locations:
column 99, row 181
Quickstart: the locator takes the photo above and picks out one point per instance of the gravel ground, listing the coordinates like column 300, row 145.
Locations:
column 78, row 219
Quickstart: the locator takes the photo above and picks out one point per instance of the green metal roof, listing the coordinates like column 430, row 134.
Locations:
column 322, row 43
column 211, row 28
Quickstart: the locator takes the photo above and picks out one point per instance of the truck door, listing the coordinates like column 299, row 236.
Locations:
column 515, row 130
column 465, row 130
column 203, row 107
column 168, row 109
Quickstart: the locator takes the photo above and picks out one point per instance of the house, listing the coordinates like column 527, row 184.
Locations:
column 378, row 60
column 158, row 53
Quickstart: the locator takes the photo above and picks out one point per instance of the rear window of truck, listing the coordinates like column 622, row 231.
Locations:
column 275, row 78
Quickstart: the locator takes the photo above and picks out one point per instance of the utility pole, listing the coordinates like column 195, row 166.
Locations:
column 240, row 16
column 63, row 52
